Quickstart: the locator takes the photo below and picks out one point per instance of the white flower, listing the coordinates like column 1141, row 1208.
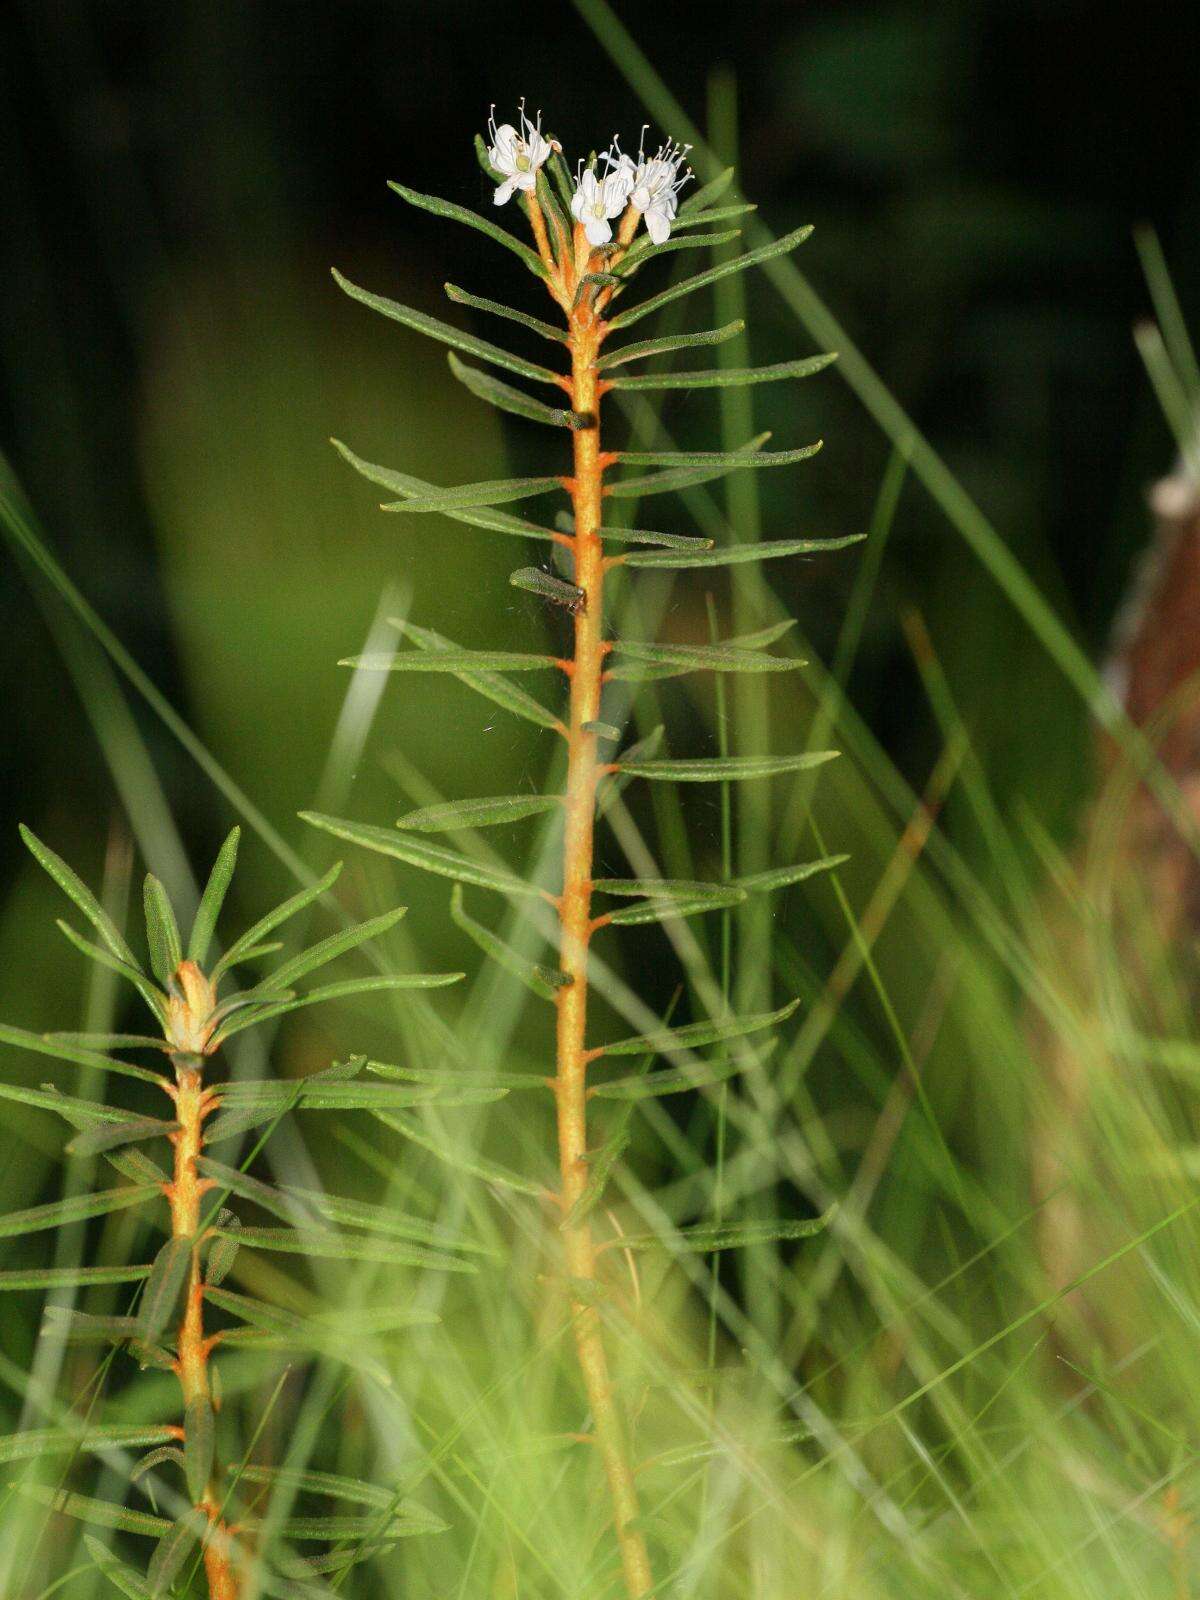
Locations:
column 656, row 184
column 516, row 156
column 597, row 200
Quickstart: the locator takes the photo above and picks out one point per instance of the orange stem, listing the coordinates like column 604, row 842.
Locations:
column 574, row 907
column 192, row 1349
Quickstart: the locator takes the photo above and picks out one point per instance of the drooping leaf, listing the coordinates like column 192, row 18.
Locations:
column 328, row 1245
column 557, row 590
column 75, row 1208
column 68, row 1277
column 447, row 208
column 337, row 944
column 213, row 898
column 701, row 280
column 223, row 1251
column 199, row 1427
column 468, row 496
column 98, row 1513
column 130, row 1130
column 456, row 661
column 784, row 877
column 667, row 541
column 162, row 930
column 478, row 1166
column 544, row 330
column 103, row 958
column 645, row 911
column 724, row 377
column 75, row 889
column 542, row 980
column 735, row 554
column 80, row 1113
column 489, row 684
column 156, row 1458
column 164, row 1286
column 668, row 344
column 130, row 1583
column 695, row 1034
column 442, row 331
column 723, row 657
column 676, row 1080
column 495, row 392
column 416, row 853
column 707, row 194
column 724, row 769
column 707, row 1237
column 254, row 936
column 61, row 1048
column 482, row 813
column 173, row 1549
column 39, row 1442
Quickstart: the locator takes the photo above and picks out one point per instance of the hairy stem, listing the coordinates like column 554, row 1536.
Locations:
column 191, row 1363
column 583, row 769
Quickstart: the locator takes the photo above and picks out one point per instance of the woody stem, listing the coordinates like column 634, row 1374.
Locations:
column 576, row 927
column 191, row 1355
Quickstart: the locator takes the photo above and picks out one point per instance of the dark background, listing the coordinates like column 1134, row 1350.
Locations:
column 175, row 181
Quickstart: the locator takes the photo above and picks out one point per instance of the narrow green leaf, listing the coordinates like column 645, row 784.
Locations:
column 695, row 1034
column 456, row 1077
column 164, row 1286
column 668, row 344
column 254, row 936
column 678, row 1080
column 431, row 858
column 481, row 813
column 534, row 581
column 544, row 330
column 725, row 377
column 505, row 398
column 489, row 684
column 600, row 1165
column 445, row 333
column 455, row 661
column 695, row 658
column 467, row 496
column 342, row 990
column 668, row 541
column 258, row 1313
column 681, row 477
column 156, row 1458
column 111, row 963
column 352, row 1490
column 702, row 199
column 68, row 1277
column 615, row 784
column 471, row 219
column 663, row 888
column 716, row 458
column 81, row 1327
column 131, row 1130
column 326, row 1096
column 222, row 1253
column 213, row 898
column 162, row 930
column 543, row 981
column 80, row 1113
column 319, row 955
column 40, row 1442
column 325, row 1244
column 705, row 219
column 130, row 1583
column 76, row 1208
column 173, row 1549
column 477, row 1165
column 735, row 554
column 98, row 1513
column 723, row 769
column 61, row 1047
column 602, row 730
column 339, row 1528
column 644, row 249
column 783, row 877
column 75, row 889
column 198, row 1443
column 706, row 1237
column 667, row 910
column 701, row 280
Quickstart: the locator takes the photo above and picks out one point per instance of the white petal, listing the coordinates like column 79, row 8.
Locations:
column 537, row 148
column 503, row 154
column 577, row 200
column 658, row 225
column 503, row 192
column 526, row 181
column 597, row 230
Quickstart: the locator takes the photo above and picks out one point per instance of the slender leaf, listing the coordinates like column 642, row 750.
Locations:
column 615, row 783
column 678, row 1080
column 644, row 249
column 735, row 554
column 164, row 1286
column 668, row 541
column 173, row 1549
column 477, row 1165
column 724, row 377
column 326, row 1096
column 325, row 1244
column 131, row 1130
column 130, row 1583
column 542, row 980
column 784, row 877
column 668, row 344
column 75, row 889
column 111, row 963
column 667, row 910
column 505, row 398
column 76, row 1208
column 702, row 198
column 716, row 458
column 723, row 769
column 468, row 496
column 82, row 1327
column 68, row 1277
column 431, row 858
column 681, row 477
column 701, row 280
column 664, row 888
column 456, row 1077
column 80, row 1113
column 254, row 936
column 62, row 1048
column 544, row 330
column 447, row 208
column 707, row 1237
column 722, row 657
column 343, row 990
column 600, row 1165
column 38, row 1442
column 319, row 955
column 352, row 1490
column 442, row 331
column 213, row 898
column 534, row 581
column 198, row 1445
column 695, row 1034
column 162, row 930
column 156, row 1458
column 223, row 1252
column 99, row 1513
column 489, row 684
column 481, row 813
column 456, row 661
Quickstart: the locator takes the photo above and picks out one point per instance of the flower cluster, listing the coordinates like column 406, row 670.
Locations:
column 603, row 188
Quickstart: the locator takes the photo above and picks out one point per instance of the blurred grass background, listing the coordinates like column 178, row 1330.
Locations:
column 175, row 182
